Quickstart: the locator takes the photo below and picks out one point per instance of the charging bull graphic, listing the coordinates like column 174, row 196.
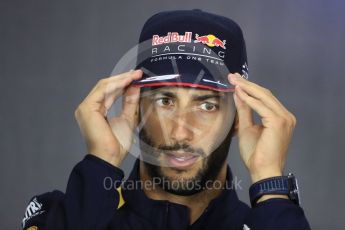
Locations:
column 210, row 40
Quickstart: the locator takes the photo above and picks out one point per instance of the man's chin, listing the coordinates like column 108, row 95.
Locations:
column 178, row 174
column 182, row 182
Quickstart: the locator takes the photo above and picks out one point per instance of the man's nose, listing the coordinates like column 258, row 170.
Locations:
column 182, row 129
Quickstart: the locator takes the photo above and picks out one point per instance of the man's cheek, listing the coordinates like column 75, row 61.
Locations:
column 158, row 127
column 217, row 134
column 165, row 124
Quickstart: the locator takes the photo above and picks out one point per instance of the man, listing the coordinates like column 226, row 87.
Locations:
column 188, row 97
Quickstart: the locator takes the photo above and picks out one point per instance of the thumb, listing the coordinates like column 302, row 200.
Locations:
column 245, row 114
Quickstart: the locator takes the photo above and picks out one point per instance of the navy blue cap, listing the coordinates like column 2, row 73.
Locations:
column 191, row 48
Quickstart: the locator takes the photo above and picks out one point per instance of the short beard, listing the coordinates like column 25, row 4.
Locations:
column 211, row 166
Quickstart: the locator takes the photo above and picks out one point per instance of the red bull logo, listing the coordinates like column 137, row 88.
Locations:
column 171, row 37
column 210, row 40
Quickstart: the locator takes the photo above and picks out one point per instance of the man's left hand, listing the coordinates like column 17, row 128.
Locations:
column 263, row 147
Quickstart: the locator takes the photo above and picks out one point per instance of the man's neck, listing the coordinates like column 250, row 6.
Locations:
column 196, row 203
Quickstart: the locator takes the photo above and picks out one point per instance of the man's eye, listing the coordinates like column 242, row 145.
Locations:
column 209, row 107
column 164, row 101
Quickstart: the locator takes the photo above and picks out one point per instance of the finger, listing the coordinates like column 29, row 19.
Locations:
column 259, row 93
column 108, row 89
column 132, row 74
column 254, row 103
column 245, row 114
column 130, row 104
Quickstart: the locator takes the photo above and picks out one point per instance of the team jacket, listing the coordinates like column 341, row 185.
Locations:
column 95, row 198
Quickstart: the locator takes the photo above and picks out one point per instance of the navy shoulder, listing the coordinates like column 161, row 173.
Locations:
column 39, row 209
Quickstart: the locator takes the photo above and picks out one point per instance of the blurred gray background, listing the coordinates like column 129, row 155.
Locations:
column 53, row 52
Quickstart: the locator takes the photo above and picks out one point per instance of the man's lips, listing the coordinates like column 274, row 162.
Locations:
column 180, row 159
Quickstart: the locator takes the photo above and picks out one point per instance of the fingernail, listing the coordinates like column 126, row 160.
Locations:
column 237, row 76
column 137, row 71
column 133, row 71
column 233, row 78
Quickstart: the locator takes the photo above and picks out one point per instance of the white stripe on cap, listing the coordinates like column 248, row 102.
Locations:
column 160, row 78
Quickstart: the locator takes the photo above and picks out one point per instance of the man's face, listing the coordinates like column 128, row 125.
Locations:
column 182, row 138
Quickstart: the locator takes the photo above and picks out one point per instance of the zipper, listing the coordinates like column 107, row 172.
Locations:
column 166, row 214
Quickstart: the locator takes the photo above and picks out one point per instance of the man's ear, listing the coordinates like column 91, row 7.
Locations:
column 235, row 125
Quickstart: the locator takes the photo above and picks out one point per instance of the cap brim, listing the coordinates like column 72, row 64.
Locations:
column 188, row 80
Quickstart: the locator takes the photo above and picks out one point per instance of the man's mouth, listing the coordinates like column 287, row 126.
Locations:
column 180, row 159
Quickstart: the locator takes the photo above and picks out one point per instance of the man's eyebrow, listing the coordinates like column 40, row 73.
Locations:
column 194, row 97
column 206, row 96
column 164, row 93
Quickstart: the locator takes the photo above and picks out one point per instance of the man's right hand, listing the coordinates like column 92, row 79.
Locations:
column 111, row 139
